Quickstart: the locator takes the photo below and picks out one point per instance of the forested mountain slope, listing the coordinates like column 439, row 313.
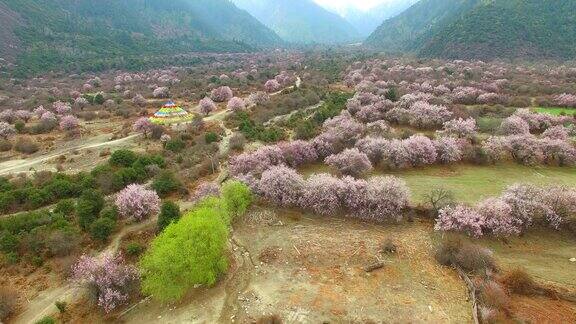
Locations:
column 85, row 33
column 482, row 29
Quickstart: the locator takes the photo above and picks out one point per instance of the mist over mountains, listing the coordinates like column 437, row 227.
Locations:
column 301, row 21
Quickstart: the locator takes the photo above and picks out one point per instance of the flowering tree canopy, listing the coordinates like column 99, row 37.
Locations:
column 69, row 122
column 236, row 104
column 143, row 125
column 222, row 94
column 350, row 162
column 6, row 130
column 207, row 106
column 107, row 276
column 137, row 202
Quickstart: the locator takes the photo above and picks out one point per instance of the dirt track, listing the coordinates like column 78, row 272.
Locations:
column 37, row 162
column 309, row 269
column 43, row 304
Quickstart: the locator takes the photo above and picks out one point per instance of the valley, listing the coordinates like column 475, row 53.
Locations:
column 260, row 161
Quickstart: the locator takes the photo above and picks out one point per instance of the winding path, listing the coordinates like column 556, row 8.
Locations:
column 24, row 165
column 44, row 303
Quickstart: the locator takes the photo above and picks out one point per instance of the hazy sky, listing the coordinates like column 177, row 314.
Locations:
column 341, row 4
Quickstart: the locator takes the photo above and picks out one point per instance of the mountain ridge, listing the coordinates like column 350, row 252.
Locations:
column 301, row 21
column 481, row 29
column 55, row 33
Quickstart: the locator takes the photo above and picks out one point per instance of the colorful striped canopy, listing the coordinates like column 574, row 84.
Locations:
column 170, row 113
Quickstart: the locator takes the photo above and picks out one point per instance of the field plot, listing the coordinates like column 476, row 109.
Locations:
column 544, row 254
column 310, row 269
column 472, row 183
column 555, row 110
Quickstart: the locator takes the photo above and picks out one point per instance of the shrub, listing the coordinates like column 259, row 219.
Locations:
column 169, row 212
column 237, row 142
column 237, row 197
column 270, row 319
column 5, row 145
column 109, row 212
column 137, row 202
column 452, row 251
column 134, row 249
column 475, row 258
column 492, row 295
column 26, row 146
column 46, row 320
column 519, row 282
column 175, row 145
column 61, row 306
column 88, row 207
column 186, row 253
column 102, row 228
column 62, row 242
column 66, row 207
column 165, row 183
column 125, row 176
column 211, row 137
column 123, row 158
column 8, row 242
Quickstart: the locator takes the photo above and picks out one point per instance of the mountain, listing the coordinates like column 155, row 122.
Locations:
column 525, row 29
column 409, row 29
column 367, row 21
column 482, row 29
column 87, row 34
column 301, row 21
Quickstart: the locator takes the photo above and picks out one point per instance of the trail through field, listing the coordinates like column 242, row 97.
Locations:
column 24, row 165
column 43, row 304
column 290, row 114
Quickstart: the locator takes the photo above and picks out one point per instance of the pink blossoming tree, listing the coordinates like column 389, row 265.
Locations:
column 135, row 201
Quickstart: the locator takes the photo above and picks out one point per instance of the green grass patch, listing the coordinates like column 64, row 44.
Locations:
column 471, row 183
column 538, row 251
column 556, row 111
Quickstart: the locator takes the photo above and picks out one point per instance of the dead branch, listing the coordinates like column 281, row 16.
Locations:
column 471, row 291
column 374, row 266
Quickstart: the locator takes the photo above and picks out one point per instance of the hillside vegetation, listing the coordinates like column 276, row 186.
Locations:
column 482, row 29
column 94, row 35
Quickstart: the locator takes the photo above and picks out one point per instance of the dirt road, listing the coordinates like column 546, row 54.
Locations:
column 43, row 304
column 35, row 162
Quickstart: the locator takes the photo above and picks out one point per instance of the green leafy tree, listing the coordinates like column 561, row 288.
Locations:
column 66, row 207
column 88, row 207
column 186, row 253
column 102, row 228
column 175, row 145
column 169, row 212
column 165, row 183
column 123, row 158
column 237, row 197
